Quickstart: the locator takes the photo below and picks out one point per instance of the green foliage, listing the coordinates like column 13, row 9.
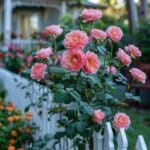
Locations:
column 77, row 94
column 2, row 90
column 143, row 40
column 15, row 129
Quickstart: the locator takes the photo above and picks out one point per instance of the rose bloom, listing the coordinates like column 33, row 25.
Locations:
column 123, row 57
column 115, row 33
column 1, row 55
column 98, row 34
column 89, row 15
column 138, row 75
column 73, row 60
column 53, row 30
column 20, row 55
column 98, row 116
column 29, row 59
column 92, row 63
column 10, row 147
column 44, row 53
column 38, row 71
column 75, row 39
column 133, row 51
column 111, row 69
column 121, row 120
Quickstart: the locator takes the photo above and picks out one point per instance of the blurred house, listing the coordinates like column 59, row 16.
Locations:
column 21, row 18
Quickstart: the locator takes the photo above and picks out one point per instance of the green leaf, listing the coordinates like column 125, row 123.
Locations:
column 60, row 95
column 71, row 131
column 74, row 94
column 93, row 78
column 101, row 49
column 88, row 110
column 132, row 97
column 48, row 136
column 58, row 70
column 80, row 126
column 59, row 135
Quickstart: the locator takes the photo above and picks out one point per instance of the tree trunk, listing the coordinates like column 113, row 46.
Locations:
column 132, row 15
column 143, row 10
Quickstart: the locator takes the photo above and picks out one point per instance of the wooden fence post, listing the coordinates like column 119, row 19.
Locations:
column 108, row 137
column 97, row 141
column 140, row 144
column 122, row 140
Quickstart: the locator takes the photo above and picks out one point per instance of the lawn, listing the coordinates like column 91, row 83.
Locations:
column 140, row 124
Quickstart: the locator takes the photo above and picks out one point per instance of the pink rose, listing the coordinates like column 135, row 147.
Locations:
column 44, row 53
column 38, row 71
column 75, row 39
column 89, row 15
column 115, row 33
column 124, row 57
column 73, row 60
column 138, row 75
column 111, row 69
column 98, row 116
column 53, row 30
column 29, row 59
column 20, row 55
column 92, row 63
column 98, row 34
column 133, row 51
column 121, row 120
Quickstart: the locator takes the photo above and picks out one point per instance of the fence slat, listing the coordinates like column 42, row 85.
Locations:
column 122, row 140
column 108, row 137
column 140, row 144
column 97, row 141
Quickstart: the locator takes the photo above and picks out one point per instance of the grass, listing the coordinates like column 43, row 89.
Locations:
column 140, row 123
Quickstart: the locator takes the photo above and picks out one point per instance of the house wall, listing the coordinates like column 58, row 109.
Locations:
column 22, row 16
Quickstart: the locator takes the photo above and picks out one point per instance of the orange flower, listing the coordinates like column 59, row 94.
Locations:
column 1, row 107
column 10, row 119
column 18, row 118
column 14, row 133
column 11, row 104
column 10, row 108
column 28, row 130
column 12, row 141
column 28, row 116
column 11, row 148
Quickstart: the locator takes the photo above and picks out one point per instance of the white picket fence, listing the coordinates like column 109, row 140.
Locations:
column 17, row 95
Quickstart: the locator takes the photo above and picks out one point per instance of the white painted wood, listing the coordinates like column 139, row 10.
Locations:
column 97, row 141
column 140, row 144
column 122, row 140
column 108, row 137
column 63, row 7
column 7, row 20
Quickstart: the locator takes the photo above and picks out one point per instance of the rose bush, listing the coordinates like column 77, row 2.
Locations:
column 16, row 129
column 81, row 73
column 16, row 59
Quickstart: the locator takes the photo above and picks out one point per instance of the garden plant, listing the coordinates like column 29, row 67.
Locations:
column 16, row 129
column 81, row 69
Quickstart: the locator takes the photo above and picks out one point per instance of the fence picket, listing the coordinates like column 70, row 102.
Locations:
column 122, row 140
column 108, row 137
column 97, row 141
column 140, row 144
